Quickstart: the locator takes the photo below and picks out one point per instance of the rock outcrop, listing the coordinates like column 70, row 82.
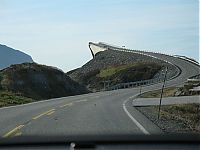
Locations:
column 38, row 81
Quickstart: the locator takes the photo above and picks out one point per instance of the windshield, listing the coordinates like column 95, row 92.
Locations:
column 126, row 67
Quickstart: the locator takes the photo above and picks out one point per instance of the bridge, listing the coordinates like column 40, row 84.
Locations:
column 176, row 64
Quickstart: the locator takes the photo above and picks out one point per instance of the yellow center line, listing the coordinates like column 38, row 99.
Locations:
column 84, row 100
column 13, row 131
column 18, row 134
column 68, row 104
column 16, row 129
column 40, row 115
column 95, row 97
column 50, row 113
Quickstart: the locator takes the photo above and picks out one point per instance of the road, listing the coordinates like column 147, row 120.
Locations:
column 96, row 113
column 101, row 113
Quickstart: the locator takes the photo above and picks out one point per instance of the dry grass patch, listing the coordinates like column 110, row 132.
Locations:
column 167, row 92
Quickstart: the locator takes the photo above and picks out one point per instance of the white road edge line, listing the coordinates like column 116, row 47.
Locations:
column 133, row 119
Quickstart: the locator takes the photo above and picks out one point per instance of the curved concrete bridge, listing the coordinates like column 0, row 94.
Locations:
column 187, row 67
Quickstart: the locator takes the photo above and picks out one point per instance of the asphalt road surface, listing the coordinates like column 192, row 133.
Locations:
column 101, row 113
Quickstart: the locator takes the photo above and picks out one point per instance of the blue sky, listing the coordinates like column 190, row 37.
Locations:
column 57, row 32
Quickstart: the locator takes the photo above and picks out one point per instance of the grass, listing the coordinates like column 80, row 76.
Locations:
column 111, row 70
column 167, row 92
column 10, row 99
column 189, row 114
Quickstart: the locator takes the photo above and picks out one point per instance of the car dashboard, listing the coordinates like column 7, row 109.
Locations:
column 139, row 142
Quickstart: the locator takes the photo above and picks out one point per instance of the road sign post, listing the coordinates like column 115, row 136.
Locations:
column 161, row 95
column 140, row 90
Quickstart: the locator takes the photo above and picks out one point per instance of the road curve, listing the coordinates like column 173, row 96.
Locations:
column 99, row 113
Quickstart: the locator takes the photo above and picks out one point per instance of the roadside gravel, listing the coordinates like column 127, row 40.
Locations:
column 169, row 123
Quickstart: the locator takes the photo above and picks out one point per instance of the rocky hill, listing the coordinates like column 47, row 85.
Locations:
column 38, row 82
column 9, row 56
column 117, row 67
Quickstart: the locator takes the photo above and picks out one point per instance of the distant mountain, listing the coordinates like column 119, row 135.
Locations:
column 9, row 56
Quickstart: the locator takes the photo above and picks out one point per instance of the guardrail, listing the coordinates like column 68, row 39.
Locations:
column 195, row 77
column 135, row 84
column 191, row 60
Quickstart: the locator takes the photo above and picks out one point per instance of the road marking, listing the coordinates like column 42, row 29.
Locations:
column 68, row 104
column 40, row 115
column 13, row 131
column 133, row 96
column 133, row 119
column 50, row 113
column 96, row 96
column 18, row 134
column 84, row 100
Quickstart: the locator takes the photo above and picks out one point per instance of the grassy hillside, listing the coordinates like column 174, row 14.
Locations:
column 38, row 82
column 119, row 74
column 111, row 70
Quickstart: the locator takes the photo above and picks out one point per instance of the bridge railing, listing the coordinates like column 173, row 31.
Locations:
column 191, row 60
column 195, row 77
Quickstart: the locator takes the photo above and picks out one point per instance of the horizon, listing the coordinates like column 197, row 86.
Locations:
column 57, row 33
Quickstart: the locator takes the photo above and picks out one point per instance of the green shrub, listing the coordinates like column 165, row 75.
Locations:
column 9, row 99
